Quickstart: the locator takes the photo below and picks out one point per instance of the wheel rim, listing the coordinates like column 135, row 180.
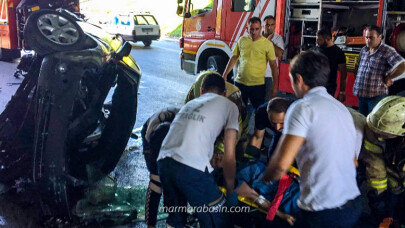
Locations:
column 212, row 65
column 58, row 29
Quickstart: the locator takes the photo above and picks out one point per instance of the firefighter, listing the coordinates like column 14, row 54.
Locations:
column 153, row 132
column 383, row 153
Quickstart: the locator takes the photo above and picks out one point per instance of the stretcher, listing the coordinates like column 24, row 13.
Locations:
column 291, row 170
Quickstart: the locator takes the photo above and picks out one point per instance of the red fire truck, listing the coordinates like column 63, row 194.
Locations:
column 13, row 14
column 211, row 29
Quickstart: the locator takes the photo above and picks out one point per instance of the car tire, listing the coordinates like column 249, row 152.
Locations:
column 49, row 31
column 147, row 43
column 216, row 63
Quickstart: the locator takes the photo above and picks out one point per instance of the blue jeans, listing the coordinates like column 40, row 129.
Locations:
column 253, row 174
column 345, row 216
column 182, row 184
column 366, row 104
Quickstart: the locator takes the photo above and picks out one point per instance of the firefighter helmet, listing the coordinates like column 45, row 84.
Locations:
column 388, row 116
column 199, row 81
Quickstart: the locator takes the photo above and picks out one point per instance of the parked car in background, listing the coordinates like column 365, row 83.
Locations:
column 135, row 27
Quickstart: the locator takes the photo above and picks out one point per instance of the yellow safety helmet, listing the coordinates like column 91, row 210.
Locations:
column 388, row 116
column 199, row 80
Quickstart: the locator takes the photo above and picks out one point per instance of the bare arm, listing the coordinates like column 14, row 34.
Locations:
column 343, row 81
column 356, row 69
column 246, row 191
column 257, row 138
column 356, row 163
column 400, row 69
column 229, row 161
column 286, row 151
column 231, row 63
column 279, row 52
column 274, row 73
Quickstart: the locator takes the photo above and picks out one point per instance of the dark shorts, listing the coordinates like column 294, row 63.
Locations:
column 182, row 184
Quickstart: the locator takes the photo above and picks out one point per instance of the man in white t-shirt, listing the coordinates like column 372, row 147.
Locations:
column 320, row 135
column 184, row 158
column 269, row 27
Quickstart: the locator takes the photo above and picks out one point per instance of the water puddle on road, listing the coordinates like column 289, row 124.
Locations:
column 126, row 206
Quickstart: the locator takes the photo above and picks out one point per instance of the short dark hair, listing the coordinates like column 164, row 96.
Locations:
column 375, row 28
column 313, row 66
column 325, row 33
column 278, row 104
column 254, row 20
column 268, row 17
column 213, row 82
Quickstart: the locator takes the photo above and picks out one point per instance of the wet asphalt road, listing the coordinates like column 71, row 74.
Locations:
column 163, row 84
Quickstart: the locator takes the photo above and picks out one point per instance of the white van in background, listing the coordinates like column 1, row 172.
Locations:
column 135, row 27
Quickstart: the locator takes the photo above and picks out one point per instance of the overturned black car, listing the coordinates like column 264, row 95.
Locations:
column 57, row 131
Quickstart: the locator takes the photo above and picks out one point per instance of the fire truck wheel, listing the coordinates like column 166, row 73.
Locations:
column 49, row 31
column 147, row 43
column 217, row 63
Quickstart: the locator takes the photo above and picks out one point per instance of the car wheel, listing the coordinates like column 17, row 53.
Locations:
column 216, row 63
column 48, row 31
column 147, row 43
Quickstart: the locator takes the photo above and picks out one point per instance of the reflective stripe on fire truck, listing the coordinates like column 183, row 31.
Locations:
column 190, row 52
column 263, row 9
column 239, row 28
column 215, row 45
column 35, row 8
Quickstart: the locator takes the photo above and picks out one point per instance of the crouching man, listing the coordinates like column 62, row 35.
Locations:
column 320, row 135
column 153, row 132
column 383, row 154
column 184, row 159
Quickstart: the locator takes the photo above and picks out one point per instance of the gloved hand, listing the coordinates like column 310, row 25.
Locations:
column 379, row 206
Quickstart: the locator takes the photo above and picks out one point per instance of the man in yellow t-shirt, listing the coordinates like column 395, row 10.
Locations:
column 253, row 52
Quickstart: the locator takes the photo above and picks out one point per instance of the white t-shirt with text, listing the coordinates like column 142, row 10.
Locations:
column 192, row 133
